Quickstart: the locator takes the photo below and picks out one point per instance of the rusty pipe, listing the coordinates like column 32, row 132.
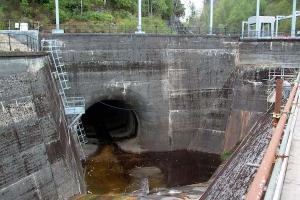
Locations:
column 256, row 189
column 278, row 99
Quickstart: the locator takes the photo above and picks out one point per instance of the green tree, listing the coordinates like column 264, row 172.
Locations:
column 178, row 9
column 25, row 8
column 121, row 4
column 230, row 14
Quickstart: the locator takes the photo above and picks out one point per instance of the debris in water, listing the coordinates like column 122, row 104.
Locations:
column 174, row 192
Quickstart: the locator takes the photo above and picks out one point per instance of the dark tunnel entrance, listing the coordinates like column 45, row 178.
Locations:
column 110, row 120
column 111, row 170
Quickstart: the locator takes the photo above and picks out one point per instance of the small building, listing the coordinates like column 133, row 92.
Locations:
column 266, row 26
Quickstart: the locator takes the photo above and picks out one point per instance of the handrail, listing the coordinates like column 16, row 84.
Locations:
column 277, row 178
column 75, row 101
column 263, row 173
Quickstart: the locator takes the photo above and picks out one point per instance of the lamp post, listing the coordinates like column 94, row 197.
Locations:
column 257, row 18
column 293, row 27
column 211, row 17
column 81, row 7
column 57, row 30
column 139, row 26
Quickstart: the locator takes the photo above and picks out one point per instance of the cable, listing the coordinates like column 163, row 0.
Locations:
column 115, row 107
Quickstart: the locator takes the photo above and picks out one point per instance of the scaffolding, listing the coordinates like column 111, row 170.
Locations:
column 74, row 107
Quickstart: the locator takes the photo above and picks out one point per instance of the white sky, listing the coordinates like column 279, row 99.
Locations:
column 198, row 4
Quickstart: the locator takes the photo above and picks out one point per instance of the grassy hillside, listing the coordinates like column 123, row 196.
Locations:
column 231, row 13
column 94, row 12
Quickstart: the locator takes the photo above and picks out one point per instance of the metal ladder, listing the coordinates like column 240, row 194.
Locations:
column 74, row 106
column 53, row 48
column 80, row 132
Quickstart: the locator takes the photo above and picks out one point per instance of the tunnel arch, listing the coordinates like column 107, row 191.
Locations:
column 111, row 120
column 133, row 103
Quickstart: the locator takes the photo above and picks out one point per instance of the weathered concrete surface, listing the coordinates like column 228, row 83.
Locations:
column 174, row 83
column 188, row 91
column 270, row 53
column 38, row 159
column 235, row 177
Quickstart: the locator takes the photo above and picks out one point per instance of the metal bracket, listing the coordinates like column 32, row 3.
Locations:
column 282, row 156
column 276, row 116
column 252, row 165
column 287, row 113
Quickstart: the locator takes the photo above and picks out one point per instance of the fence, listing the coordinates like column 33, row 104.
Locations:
column 18, row 42
column 148, row 29
column 283, row 34
column 15, row 24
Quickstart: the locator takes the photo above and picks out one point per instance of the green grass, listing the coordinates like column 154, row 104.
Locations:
column 225, row 155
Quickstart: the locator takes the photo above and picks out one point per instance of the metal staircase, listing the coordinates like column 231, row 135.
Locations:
column 74, row 106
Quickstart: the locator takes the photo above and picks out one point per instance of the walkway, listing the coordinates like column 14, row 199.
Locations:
column 291, row 185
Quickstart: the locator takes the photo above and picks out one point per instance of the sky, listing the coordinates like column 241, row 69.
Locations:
column 198, row 4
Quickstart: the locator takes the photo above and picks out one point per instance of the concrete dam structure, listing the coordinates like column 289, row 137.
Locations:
column 181, row 88
column 169, row 93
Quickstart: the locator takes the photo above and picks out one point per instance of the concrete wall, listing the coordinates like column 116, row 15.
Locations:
column 270, row 53
column 184, row 88
column 38, row 158
column 235, row 177
column 188, row 92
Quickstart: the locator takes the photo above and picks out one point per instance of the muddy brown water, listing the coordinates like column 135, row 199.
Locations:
column 112, row 171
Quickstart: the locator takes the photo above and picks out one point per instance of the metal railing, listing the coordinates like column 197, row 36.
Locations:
column 276, row 181
column 268, row 35
column 14, row 24
column 16, row 102
column 148, row 29
column 75, row 102
column 18, row 42
column 264, row 171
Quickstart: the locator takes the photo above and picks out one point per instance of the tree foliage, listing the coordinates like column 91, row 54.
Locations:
column 230, row 13
column 43, row 10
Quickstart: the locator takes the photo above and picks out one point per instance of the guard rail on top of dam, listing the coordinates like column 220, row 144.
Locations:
column 282, row 137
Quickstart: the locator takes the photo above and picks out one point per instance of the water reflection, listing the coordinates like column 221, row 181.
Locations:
column 112, row 171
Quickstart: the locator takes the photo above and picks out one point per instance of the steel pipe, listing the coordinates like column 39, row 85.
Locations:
column 281, row 175
column 211, row 18
column 294, row 18
column 57, row 14
column 257, row 19
column 276, row 180
column 263, row 173
column 278, row 99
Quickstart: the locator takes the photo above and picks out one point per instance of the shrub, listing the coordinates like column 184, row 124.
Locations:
column 99, row 16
